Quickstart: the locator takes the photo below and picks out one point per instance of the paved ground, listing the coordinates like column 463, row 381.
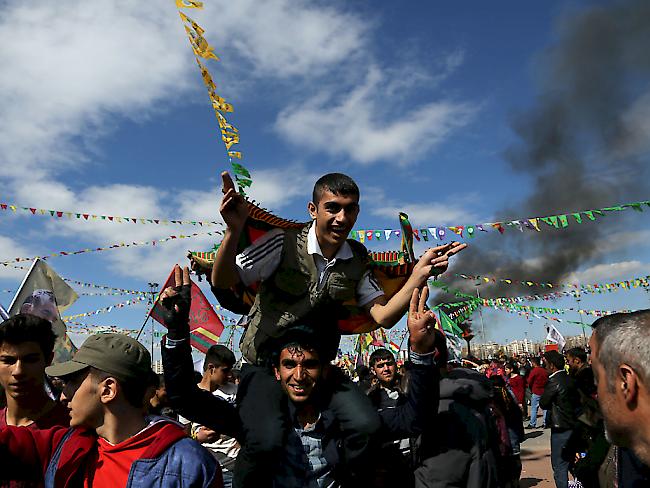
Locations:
column 536, row 459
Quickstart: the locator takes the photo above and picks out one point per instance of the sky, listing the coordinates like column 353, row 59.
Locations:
column 454, row 112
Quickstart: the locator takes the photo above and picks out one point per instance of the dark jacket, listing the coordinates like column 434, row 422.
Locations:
column 561, row 398
column 200, row 406
column 59, row 456
column 457, row 451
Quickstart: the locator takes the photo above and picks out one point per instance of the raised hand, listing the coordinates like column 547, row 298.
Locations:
column 233, row 208
column 175, row 304
column 422, row 323
column 435, row 261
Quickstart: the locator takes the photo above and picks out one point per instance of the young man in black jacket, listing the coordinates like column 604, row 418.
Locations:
column 560, row 397
column 299, row 370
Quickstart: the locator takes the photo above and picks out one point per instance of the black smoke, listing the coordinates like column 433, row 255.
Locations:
column 584, row 143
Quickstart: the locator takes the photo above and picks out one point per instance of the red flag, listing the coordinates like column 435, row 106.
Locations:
column 205, row 325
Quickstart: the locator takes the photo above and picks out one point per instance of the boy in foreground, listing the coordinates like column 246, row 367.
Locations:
column 110, row 442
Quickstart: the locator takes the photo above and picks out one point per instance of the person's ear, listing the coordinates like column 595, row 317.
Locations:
column 277, row 373
column 108, row 390
column 628, row 382
column 312, row 209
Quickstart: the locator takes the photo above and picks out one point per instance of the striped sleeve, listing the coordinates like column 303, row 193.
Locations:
column 259, row 260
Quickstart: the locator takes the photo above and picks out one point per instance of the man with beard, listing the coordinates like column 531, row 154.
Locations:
column 620, row 358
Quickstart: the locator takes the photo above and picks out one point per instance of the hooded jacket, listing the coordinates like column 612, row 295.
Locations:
column 458, row 450
column 60, row 455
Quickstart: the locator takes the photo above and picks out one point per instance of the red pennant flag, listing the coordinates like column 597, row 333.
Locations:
column 32, row 210
column 205, row 325
column 59, row 214
column 86, row 216
column 3, row 206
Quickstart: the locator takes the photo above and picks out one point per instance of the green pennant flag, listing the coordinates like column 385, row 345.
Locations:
column 578, row 217
column 635, row 206
column 449, row 325
column 546, row 220
column 553, row 219
column 563, row 220
column 589, row 214
column 240, row 170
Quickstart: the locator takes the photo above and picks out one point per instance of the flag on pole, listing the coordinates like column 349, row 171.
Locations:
column 205, row 326
column 44, row 293
column 554, row 335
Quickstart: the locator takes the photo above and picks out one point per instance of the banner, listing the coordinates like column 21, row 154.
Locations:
column 205, row 326
column 45, row 294
column 555, row 336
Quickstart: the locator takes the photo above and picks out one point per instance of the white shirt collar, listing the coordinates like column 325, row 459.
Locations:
column 558, row 371
column 344, row 252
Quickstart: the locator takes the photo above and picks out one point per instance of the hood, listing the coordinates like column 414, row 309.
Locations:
column 465, row 384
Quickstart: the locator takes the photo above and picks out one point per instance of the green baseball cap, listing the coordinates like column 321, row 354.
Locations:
column 116, row 354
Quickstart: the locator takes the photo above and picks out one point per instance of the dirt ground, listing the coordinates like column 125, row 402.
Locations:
column 536, row 460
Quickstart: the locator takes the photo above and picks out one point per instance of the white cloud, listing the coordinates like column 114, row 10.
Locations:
column 69, row 66
column 285, row 38
column 369, row 127
column 610, row 272
column 9, row 249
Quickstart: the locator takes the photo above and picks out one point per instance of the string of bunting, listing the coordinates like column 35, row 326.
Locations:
column 229, row 133
column 84, row 216
column 470, row 231
column 625, row 285
column 104, row 287
column 643, row 281
column 108, row 248
column 530, row 308
column 83, row 328
column 528, row 315
column 109, row 309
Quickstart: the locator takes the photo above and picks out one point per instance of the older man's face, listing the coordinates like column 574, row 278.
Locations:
column 612, row 407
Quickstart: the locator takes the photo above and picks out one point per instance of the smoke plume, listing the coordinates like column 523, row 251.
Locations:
column 584, row 143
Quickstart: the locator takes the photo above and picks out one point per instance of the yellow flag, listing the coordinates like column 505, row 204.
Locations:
column 223, row 123
column 189, row 4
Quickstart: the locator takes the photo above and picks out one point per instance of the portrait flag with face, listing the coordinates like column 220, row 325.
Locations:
column 205, row 326
column 554, row 335
column 44, row 293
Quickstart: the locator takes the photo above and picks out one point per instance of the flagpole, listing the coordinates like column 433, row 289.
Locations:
column 152, row 287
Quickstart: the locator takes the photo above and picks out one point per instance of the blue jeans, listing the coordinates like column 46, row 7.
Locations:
column 560, row 466
column 534, row 405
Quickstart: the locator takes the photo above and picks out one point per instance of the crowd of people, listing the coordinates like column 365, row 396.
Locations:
column 285, row 414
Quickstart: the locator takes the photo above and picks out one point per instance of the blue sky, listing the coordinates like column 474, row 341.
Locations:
column 102, row 110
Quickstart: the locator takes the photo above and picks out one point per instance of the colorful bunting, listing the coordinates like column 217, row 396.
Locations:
column 108, row 248
column 560, row 221
column 229, row 133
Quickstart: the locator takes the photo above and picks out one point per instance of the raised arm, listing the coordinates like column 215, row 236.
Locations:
column 184, row 394
column 428, row 352
column 234, row 212
column 434, row 261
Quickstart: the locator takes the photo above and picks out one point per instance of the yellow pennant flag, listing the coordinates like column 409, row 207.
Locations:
column 223, row 123
column 189, row 4
column 197, row 28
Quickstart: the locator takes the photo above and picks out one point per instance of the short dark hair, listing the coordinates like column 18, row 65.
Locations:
column 25, row 327
column 380, row 355
column 219, row 355
column 134, row 390
column 578, row 352
column 535, row 360
column 337, row 183
column 554, row 358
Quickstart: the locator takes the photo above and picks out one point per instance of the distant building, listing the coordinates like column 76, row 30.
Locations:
column 157, row 366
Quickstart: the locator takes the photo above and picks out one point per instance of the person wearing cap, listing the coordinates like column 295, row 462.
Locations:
column 314, row 454
column 110, row 442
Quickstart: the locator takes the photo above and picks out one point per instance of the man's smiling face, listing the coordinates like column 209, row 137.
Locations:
column 335, row 216
column 298, row 372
